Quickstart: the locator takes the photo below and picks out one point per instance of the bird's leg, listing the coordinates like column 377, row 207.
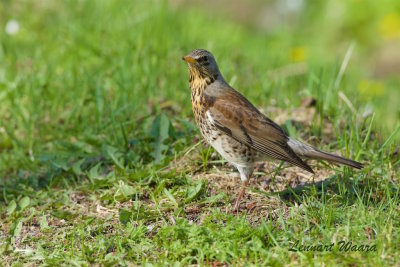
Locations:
column 245, row 173
column 240, row 195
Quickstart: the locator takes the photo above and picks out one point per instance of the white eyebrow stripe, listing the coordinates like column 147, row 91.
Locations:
column 210, row 118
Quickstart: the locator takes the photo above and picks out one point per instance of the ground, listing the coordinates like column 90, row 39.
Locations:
column 101, row 162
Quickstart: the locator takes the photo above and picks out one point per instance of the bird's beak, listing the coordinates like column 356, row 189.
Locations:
column 189, row 59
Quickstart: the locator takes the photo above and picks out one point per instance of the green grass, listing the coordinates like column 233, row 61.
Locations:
column 101, row 163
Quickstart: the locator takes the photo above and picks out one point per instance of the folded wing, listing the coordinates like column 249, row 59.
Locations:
column 249, row 126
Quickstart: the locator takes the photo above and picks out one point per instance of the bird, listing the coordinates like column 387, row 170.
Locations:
column 237, row 130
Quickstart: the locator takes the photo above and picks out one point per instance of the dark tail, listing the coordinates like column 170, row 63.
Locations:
column 306, row 151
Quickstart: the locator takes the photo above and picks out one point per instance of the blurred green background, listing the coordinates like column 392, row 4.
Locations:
column 72, row 70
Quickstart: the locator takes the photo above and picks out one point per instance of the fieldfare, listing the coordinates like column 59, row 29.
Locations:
column 237, row 129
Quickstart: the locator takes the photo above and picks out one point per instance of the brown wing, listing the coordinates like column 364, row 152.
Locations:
column 233, row 114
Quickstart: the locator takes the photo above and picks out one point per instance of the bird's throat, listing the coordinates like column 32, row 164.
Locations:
column 197, row 87
column 201, row 100
column 200, row 79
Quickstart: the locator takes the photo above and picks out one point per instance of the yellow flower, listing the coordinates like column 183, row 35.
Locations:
column 389, row 26
column 370, row 89
column 298, row 54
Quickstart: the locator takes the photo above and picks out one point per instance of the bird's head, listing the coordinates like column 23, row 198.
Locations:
column 202, row 64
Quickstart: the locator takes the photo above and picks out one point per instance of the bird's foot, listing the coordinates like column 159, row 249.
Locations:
column 239, row 197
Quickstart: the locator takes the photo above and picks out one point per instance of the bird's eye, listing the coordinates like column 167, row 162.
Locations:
column 202, row 59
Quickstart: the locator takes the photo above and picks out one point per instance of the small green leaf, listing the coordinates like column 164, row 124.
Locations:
column 159, row 132
column 213, row 198
column 18, row 228
column 124, row 191
column 24, row 202
column 11, row 207
column 127, row 190
column 170, row 196
column 60, row 163
column 94, row 172
column 43, row 223
column 137, row 214
column 193, row 192
column 76, row 167
column 62, row 214
column 112, row 152
column 124, row 216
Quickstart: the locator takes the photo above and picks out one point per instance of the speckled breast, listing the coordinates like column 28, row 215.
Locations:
column 230, row 149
